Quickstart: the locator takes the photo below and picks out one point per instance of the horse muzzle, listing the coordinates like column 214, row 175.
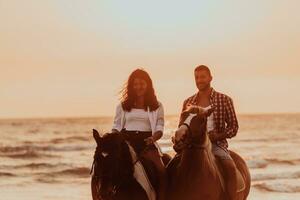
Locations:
column 107, row 193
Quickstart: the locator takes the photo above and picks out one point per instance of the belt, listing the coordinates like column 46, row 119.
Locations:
column 136, row 132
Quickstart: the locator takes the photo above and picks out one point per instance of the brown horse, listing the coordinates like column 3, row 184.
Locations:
column 195, row 173
column 113, row 170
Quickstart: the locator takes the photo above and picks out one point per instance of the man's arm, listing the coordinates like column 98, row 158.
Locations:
column 232, row 126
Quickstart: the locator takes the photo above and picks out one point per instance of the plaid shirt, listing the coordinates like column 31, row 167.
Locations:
column 225, row 121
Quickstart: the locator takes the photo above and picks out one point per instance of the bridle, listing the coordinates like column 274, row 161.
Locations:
column 189, row 144
column 116, row 186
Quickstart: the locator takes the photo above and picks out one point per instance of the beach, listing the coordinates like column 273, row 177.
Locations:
column 50, row 158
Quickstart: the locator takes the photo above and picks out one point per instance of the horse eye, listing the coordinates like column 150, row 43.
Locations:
column 104, row 154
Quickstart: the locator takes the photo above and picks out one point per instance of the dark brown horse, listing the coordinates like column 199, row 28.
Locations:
column 113, row 170
column 195, row 174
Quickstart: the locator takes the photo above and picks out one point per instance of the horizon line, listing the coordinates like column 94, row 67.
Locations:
column 111, row 116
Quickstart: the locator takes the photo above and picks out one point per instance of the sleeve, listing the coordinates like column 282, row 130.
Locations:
column 118, row 118
column 160, row 119
column 181, row 117
column 232, row 125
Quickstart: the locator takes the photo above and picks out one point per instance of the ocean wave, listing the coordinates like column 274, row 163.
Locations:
column 6, row 174
column 69, row 139
column 33, row 130
column 28, row 154
column 12, row 149
column 35, row 165
column 263, row 163
column 79, row 172
column 28, row 148
column 48, row 180
column 40, row 165
column 278, row 187
column 16, row 123
column 256, row 140
column 272, row 176
column 279, row 161
column 259, row 163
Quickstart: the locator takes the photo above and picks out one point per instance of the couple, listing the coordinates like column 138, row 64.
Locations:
column 140, row 116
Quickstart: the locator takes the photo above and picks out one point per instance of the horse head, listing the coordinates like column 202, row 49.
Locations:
column 113, row 163
column 192, row 129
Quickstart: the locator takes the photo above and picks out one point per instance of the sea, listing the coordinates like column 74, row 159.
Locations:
column 50, row 158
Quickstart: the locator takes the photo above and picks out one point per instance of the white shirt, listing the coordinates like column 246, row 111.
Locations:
column 210, row 125
column 210, row 120
column 137, row 120
column 156, row 118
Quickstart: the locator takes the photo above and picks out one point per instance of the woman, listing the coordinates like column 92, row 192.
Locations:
column 141, row 118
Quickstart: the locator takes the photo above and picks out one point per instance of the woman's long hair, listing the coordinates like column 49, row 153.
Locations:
column 128, row 94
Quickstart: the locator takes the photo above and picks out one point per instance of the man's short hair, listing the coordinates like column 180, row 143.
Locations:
column 202, row 67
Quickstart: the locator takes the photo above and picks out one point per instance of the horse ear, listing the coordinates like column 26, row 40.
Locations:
column 96, row 136
column 183, row 117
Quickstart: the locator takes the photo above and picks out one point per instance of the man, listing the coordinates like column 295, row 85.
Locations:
column 221, row 124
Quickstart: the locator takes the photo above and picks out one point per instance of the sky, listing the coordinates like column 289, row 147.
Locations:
column 62, row 58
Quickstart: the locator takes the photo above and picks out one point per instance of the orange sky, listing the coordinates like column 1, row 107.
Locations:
column 70, row 58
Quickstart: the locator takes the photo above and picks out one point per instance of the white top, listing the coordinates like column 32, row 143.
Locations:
column 156, row 119
column 137, row 120
column 210, row 120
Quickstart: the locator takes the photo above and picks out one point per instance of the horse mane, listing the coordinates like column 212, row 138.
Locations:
column 209, row 155
column 116, row 144
column 212, row 162
column 210, row 165
column 126, row 160
column 208, row 162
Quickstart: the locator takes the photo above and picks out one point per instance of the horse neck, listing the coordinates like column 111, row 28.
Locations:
column 200, row 161
column 126, row 163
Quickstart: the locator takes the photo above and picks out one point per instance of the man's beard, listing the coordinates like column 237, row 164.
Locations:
column 203, row 87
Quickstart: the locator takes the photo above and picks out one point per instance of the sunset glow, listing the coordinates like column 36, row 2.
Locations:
column 71, row 58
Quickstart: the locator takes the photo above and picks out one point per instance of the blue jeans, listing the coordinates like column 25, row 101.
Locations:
column 221, row 153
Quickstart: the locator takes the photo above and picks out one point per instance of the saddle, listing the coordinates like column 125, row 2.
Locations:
column 144, row 173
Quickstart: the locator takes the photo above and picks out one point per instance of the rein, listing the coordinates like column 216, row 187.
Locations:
column 192, row 145
column 117, row 186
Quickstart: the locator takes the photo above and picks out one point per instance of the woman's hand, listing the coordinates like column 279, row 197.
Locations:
column 156, row 136
column 114, row 131
column 149, row 140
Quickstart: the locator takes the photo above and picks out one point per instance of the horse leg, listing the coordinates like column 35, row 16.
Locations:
column 153, row 156
column 242, row 167
column 132, row 191
column 95, row 188
column 229, row 168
